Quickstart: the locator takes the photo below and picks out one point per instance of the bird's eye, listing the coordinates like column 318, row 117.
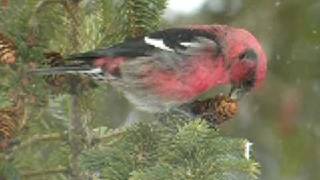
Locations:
column 249, row 54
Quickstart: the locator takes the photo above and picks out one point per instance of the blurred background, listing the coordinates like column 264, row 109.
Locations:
column 282, row 119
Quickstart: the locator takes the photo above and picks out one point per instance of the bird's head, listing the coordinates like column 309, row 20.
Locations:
column 244, row 58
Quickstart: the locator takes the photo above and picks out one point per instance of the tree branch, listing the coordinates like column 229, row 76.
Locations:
column 28, row 174
column 78, row 133
column 118, row 133
column 61, row 137
column 38, row 138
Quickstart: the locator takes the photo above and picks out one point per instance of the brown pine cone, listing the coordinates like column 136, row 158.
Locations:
column 12, row 119
column 216, row 110
column 7, row 130
column 8, row 53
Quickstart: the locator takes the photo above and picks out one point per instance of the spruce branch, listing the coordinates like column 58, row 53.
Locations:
column 43, row 3
column 73, row 10
column 33, row 23
column 78, row 130
column 141, row 16
column 39, row 138
column 41, row 7
column 34, row 173
column 153, row 151
column 109, row 137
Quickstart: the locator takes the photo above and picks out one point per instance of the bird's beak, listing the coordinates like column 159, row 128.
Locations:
column 237, row 93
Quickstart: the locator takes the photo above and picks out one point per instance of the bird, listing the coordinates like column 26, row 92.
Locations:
column 171, row 67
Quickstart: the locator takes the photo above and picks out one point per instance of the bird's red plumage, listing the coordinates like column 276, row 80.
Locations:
column 235, row 40
column 199, row 76
column 110, row 65
column 204, row 72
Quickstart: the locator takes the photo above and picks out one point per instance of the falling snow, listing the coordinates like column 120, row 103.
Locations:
column 277, row 4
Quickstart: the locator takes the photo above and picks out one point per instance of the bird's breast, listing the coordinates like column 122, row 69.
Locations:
column 190, row 81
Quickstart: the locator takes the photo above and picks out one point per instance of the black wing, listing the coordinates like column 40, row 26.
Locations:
column 174, row 40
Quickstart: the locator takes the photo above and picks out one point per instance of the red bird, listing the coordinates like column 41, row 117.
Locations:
column 172, row 67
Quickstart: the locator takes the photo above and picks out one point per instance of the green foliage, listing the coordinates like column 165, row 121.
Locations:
column 153, row 151
column 39, row 26
column 14, row 22
column 173, row 149
column 122, row 157
column 136, row 17
column 141, row 15
column 9, row 171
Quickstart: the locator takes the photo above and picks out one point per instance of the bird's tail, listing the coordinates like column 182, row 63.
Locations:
column 82, row 64
column 62, row 70
column 72, row 64
column 93, row 73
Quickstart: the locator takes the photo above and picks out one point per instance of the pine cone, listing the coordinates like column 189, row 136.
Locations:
column 8, row 54
column 216, row 110
column 7, row 130
column 12, row 119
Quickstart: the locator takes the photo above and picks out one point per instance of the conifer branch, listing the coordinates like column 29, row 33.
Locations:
column 56, row 170
column 141, row 16
column 109, row 137
column 39, row 138
column 78, row 133
column 41, row 4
